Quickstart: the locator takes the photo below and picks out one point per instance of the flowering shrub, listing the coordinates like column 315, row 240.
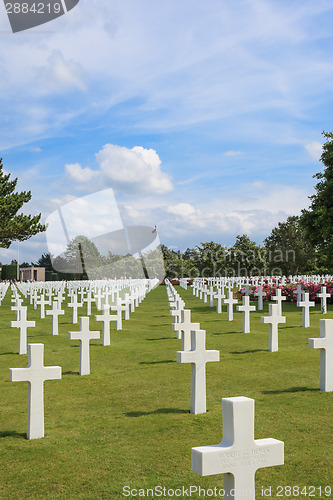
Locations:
column 288, row 291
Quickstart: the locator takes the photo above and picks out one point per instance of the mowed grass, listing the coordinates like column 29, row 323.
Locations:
column 128, row 422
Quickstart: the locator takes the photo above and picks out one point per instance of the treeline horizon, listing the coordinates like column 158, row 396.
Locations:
column 286, row 251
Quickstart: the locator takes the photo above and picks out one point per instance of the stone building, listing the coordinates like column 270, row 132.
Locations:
column 32, row 273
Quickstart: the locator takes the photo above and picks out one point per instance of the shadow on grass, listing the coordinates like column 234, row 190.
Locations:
column 160, row 324
column 5, row 353
column 14, row 434
column 203, row 309
column 161, row 338
column 70, row 373
column 291, row 389
column 155, row 412
column 225, row 333
column 249, row 351
column 157, row 362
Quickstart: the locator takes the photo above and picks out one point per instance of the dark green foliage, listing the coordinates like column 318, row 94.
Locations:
column 43, row 261
column 317, row 220
column 289, row 249
column 51, row 276
column 14, row 226
column 9, row 272
column 246, row 257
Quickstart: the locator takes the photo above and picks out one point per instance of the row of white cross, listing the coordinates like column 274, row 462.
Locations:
column 255, row 281
column 238, row 455
column 275, row 318
column 126, row 305
column 36, row 373
column 201, row 290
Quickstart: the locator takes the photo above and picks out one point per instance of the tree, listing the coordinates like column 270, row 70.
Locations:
column 25, row 264
column 288, row 250
column 246, row 257
column 317, row 220
column 82, row 256
column 211, row 259
column 14, row 226
column 44, row 261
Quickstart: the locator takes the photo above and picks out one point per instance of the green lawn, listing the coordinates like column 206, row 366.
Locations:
column 128, row 423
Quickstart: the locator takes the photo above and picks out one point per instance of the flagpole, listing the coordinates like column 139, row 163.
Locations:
column 18, row 260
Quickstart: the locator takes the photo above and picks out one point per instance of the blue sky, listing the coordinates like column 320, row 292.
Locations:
column 204, row 118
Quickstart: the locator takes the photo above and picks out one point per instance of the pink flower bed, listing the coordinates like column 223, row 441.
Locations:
column 288, row 291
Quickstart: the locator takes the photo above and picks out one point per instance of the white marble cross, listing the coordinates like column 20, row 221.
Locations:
column 325, row 344
column 132, row 302
column 84, row 335
column 306, row 304
column 33, row 294
column 260, row 294
column 49, row 296
column 98, row 296
column 75, row 305
column 23, row 324
column 106, row 317
column 273, row 320
column 230, row 301
column 105, row 299
column 126, row 302
column 279, row 298
column 89, row 301
column 35, row 297
column 55, row 312
column 219, row 295
column 177, row 311
column 42, row 303
column 238, row 456
column 298, row 292
column 323, row 298
column 17, row 308
column 60, row 297
column 204, row 292
column 198, row 356
column 211, row 294
column 185, row 326
column 173, row 302
column 36, row 374
column 119, row 309
column 246, row 309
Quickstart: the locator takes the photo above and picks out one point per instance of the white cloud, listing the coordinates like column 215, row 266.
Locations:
column 232, row 153
column 259, row 208
column 58, row 202
column 131, row 212
column 314, row 149
column 136, row 170
column 182, row 209
column 61, row 75
column 35, row 150
column 79, row 174
column 257, row 185
column 219, row 60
